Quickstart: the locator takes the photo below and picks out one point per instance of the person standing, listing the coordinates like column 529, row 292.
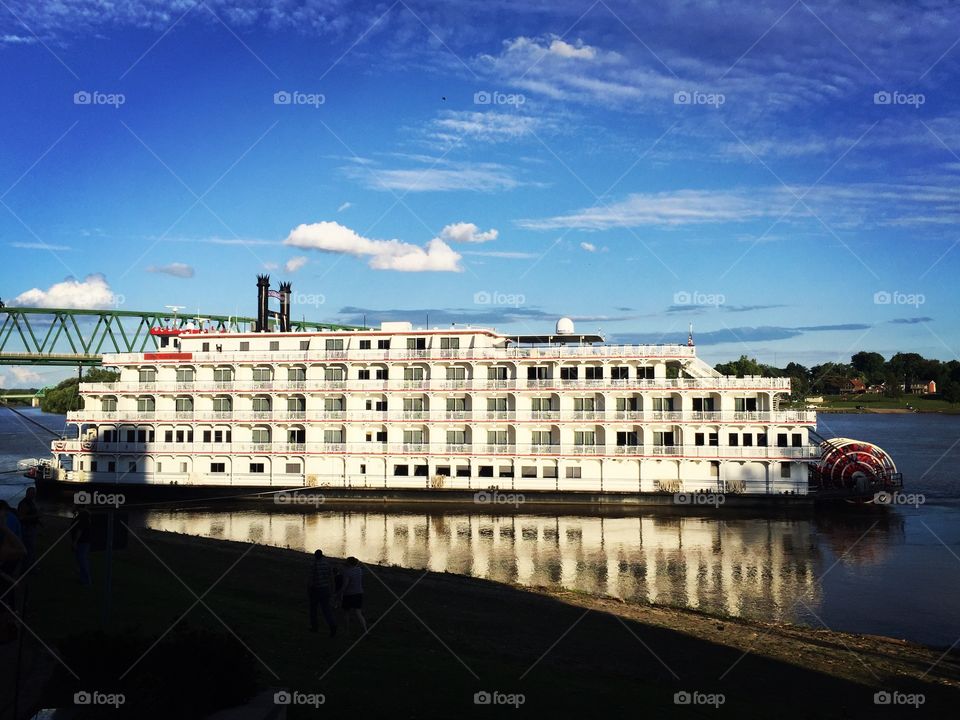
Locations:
column 320, row 592
column 80, row 542
column 352, row 593
column 29, row 515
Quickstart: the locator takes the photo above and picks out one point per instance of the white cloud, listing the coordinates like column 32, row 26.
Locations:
column 271, row 266
column 25, row 376
column 345, row 206
column 17, row 40
column 176, row 269
column 464, row 232
column 437, row 177
column 93, row 293
column 490, row 126
column 564, row 49
column 589, row 247
column 39, row 246
column 332, row 237
column 295, row 263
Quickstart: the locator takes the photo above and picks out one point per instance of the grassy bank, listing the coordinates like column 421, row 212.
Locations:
column 879, row 403
column 438, row 639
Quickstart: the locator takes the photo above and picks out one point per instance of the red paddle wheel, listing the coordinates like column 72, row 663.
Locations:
column 856, row 466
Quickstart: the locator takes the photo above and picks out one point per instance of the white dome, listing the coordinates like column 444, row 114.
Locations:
column 564, row 326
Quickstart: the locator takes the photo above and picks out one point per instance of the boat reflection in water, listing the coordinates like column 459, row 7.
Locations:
column 755, row 568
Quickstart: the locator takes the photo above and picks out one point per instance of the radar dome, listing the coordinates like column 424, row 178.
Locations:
column 565, row 326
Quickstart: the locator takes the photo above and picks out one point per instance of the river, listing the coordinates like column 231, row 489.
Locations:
column 894, row 572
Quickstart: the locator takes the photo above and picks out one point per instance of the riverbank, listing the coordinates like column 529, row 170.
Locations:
column 437, row 639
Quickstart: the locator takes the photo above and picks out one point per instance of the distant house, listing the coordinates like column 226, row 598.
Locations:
column 853, row 385
column 876, row 389
column 925, row 388
column 814, row 400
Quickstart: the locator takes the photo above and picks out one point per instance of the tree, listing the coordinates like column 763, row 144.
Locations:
column 870, row 365
column 64, row 397
column 741, row 368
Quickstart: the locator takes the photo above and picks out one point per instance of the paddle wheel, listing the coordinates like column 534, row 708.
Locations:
column 855, row 467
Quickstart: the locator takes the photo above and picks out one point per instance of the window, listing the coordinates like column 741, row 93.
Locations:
column 450, row 343
column 541, row 404
column 631, row 404
column 334, row 343
column 296, row 404
column 506, row 471
column 413, row 373
column 703, row 404
column 797, row 440
column 108, row 404
column 333, row 374
column 414, row 404
column 184, row 375
column 785, row 470
column 304, row 344
column 645, row 373
column 456, row 437
column 222, row 404
column 420, row 470
column 261, row 404
column 463, row 471
column 443, row 470
column 745, row 404
column 244, row 346
column 584, row 404
column 663, row 439
column 381, row 374
column 781, row 439
column 296, row 435
column 528, row 471
column 218, row 467
column 630, row 438
column 383, row 344
column 456, row 373
column 364, row 344
column 183, row 467
column 333, row 404
column 333, row 436
column 496, row 437
column 296, row 374
column 537, row 372
column 486, row 471
column 456, row 404
column 416, row 343
column 185, row 404
column 292, row 468
column 713, row 439
column 261, row 435
column 549, row 471
column 401, row 470
column 594, row 372
column 573, row 473
column 148, row 375
column 663, row 404
column 748, row 439
column 207, row 436
column 262, row 374
column 584, row 437
column 497, row 404
column 363, row 468
column 93, row 466
column 108, row 436
column 256, row 467
column 620, row 373
column 168, row 436
column 274, row 344
column 363, row 374
column 381, row 436
column 131, row 436
column 222, row 374
column 698, row 439
column 733, row 440
column 569, row 373
column 132, row 466
column 413, row 437
column 497, row 372
column 205, row 347
column 111, row 466
column 541, row 437
column 762, row 439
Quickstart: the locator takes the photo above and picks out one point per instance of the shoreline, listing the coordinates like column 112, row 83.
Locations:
column 438, row 638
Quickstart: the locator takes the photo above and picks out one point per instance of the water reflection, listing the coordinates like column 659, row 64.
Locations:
column 757, row 568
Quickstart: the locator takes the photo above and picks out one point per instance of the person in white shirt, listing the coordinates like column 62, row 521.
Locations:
column 351, row 595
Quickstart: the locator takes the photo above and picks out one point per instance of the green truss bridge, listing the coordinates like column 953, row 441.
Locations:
column 56, row 336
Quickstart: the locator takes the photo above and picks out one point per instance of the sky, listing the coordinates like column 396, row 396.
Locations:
column 782, row 175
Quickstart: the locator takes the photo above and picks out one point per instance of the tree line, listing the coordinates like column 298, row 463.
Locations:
column 871, row 368
column 66, row 396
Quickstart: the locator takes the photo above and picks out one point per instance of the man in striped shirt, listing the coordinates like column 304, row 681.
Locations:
column 320, row 591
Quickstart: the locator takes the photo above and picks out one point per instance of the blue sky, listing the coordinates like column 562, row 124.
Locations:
column 784, row 175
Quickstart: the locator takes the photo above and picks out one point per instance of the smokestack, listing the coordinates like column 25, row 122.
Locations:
column 285, row 289
column 263, row 295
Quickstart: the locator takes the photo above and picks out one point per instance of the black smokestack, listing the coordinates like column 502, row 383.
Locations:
column 263, row 298
column 285, row 289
